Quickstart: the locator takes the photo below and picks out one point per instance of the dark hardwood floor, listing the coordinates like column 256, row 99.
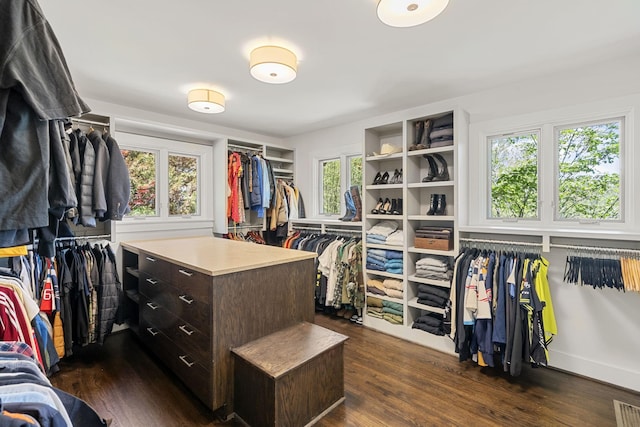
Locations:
column 388, row 382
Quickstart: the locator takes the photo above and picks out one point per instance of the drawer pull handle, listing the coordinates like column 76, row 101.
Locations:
column 152, row 332
column 186, row 273
column 184, row 329
column 185, row 299
column 153, row 282
column 186, row 362
column 150, row 259
column 153, row 306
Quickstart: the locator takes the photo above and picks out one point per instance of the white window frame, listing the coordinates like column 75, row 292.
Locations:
column 345, row 178
column 487, row 143
column 348, row 159
column 320, row 182
column 621, row 154
column 164, row 148
column 478, row 178
column 199, row 184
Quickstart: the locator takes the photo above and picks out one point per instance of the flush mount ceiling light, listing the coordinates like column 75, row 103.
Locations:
column 408, row 13
column 273, row 64
column 206, row 101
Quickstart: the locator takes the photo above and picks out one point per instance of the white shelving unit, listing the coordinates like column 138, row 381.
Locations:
column 416, row 198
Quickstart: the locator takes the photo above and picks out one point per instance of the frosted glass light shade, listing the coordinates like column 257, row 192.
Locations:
column 206, row 101
column 273, row 64
column 408, row 13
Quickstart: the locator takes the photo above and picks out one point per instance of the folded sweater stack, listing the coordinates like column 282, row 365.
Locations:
column 393, row 288
column 442, row 132
column 374, row 307
column 385, row 232
column 433, row 323
column 392, row 312
column 434, row 267
column 433, row 296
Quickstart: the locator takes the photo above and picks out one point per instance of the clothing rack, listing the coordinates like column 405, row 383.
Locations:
column 244, row 149
column 597, row 249
column 501, row 242
column 93, row 237
column 89, row 122
column 342, row 230
column 245, row 227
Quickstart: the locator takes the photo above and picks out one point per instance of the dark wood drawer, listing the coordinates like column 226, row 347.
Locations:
column 180, row 304
column 183, row 334
column 192, row 283
column 151, row 286
column 192, row 341
column 180, row 362
column 154, row 266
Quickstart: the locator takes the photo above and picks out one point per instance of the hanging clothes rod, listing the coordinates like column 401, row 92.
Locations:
column 95, row 237
column 243, row 148
column 89, row 122
column 597, row 249
column 500, row 242
column 307, row 228
column 343, row 230
column 246, row 227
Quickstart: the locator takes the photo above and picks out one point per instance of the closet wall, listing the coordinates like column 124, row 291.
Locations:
column 596, row 328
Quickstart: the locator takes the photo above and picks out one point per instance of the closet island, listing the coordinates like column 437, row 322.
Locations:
column 192, row 300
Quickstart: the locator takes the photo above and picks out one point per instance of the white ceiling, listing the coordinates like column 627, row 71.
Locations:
column 148, row 54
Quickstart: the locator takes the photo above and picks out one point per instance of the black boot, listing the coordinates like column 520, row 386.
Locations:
column 442, row 173
column 433, row 204
column 397, row 209
column 432, row 172
column 393, row 208
column 441, row 206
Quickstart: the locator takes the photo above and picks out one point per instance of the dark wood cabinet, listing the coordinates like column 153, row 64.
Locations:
column 201, row 297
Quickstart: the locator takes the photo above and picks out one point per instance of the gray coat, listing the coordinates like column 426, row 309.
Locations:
column 118, row 182
column 85, row 183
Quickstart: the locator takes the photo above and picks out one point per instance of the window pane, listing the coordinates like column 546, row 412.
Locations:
column 183, row 185
column 330, row 191
column 142, row 172
column 514, row 176
column 355, row 171
column 589, row 171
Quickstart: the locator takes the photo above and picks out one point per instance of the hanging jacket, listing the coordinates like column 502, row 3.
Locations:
column 118, row 182
column 109, row 292
column 85, row 183
column 100, row 174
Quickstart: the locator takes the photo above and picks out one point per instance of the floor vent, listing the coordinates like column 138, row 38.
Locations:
column 626, row 415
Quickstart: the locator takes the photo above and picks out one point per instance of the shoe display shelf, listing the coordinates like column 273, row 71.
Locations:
column 429, row 191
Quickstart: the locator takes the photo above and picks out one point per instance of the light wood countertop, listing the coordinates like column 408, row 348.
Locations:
column 216, row 256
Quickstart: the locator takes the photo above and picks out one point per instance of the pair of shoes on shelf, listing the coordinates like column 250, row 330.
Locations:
column 388, row 206
column 437, row 205
column 397, row 177
column 381, row 178
column 438, row 169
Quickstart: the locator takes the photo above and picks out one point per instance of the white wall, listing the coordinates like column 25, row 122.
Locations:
column 599, row 330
